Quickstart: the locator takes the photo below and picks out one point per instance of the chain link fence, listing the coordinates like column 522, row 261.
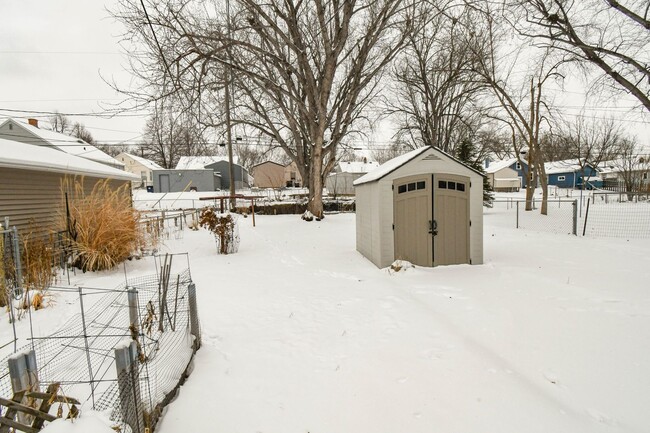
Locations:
column 598, row 215
column 155, row 317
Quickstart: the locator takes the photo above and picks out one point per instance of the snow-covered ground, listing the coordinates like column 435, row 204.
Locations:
column 303, row 334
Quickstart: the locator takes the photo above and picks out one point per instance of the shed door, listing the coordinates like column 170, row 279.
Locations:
column 451, row 215
column 164, row 183
column 411, row 215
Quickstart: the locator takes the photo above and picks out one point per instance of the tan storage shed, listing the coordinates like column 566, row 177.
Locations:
column 425, row 207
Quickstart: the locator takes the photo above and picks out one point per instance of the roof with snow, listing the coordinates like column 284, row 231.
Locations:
column 500, row 165
column 199, row 162
column 395, row 163
column 357, row 166
column 144, row 161
column 66, row 143
column 41, row 158
column 565, row 166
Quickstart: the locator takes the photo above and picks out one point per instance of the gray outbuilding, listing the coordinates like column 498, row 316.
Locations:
column 174, row 180
column 425, row 207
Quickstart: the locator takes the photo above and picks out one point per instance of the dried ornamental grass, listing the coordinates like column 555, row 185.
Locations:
column 104, row 226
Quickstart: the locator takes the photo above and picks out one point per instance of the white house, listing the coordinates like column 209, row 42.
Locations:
column 425, row 207
column 345, row 173
column 139, row 166
column 30, row 133
column 502, row 177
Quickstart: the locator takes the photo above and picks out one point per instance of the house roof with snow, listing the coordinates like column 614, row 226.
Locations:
column 71, row 145
column 14, row 154
column 357, row 166
column 144, row 161
column 564, row 166
column 199, row 162
column 395, row 163
column 500, row 165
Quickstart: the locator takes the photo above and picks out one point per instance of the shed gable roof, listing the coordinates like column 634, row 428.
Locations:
column 397, row 162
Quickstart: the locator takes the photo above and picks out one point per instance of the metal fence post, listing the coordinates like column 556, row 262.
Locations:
column 575, row 217
column 23, row 374
column 584, row 228
column 517, row 215
column 195, row 327
column 128, row 380
column 132, row 296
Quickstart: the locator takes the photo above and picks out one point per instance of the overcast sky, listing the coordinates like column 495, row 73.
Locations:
column 53, row 55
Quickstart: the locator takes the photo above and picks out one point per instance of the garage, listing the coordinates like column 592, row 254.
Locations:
column 425, row 207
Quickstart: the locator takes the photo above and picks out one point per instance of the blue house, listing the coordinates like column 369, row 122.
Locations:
column 514, row 164
column 568, row 174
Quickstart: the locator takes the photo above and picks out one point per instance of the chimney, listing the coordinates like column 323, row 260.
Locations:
column 33, row 122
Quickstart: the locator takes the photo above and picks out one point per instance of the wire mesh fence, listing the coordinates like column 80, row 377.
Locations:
column 597, row 215
column 617, row 215
column 157, row 313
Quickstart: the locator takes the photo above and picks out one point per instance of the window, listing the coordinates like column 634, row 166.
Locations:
column 645, row 176
column 460, row 187
column 518, row 166
column 411, row 186
column 451, row 185
column 421, row 185
column 561, row 178
column 442, row 184
column 401, row 189
column 151, row 175
column 143, row 175
column 11, row 127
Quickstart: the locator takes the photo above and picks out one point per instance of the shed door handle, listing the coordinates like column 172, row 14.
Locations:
column 433, row 227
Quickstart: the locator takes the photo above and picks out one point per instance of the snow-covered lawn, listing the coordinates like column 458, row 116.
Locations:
column 302, row 334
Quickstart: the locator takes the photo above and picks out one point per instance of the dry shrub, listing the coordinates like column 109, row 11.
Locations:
column 37, row 262
column 224, row 228
column 103, row 226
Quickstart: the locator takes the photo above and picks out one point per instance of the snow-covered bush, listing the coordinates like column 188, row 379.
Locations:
column 224, row 227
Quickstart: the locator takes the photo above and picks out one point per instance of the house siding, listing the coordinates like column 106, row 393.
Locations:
column 268, row 175
column 33, row 200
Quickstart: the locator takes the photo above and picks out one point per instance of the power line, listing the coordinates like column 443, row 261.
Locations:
column 109, row 114
column 115, row 53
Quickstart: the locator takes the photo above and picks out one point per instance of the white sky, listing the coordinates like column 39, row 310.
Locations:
column 53, row 55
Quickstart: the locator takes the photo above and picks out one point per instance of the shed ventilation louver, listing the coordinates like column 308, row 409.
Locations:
column 431, row 157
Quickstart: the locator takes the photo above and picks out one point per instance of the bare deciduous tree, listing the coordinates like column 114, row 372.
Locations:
column 170, row 135
column 303, row 70
column 523, row 108
column 435, row 89
column 613, row 36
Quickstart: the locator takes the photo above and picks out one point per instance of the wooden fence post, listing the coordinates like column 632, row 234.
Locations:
column 128, row 379
column 132, row 296
column 195, row 326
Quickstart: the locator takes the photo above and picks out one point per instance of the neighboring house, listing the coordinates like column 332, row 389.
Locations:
column 502, row 176
column 174, row 180
column 139, row 166
column 221, row 168
column 521, row 168
column 345, row 173
column 240, row 175
column 568, row 174
column 292, row 177
column 268, row 174
column 31, row 183
column 30, row 133
column 622, row 174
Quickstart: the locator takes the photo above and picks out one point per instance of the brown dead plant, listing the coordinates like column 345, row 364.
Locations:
column 103, row 225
